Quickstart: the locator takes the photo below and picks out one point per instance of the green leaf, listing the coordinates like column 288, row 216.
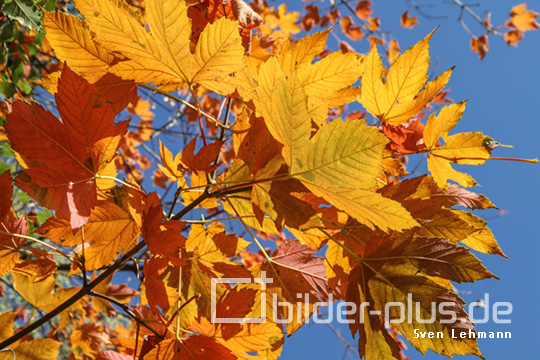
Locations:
column 24, row 86
column 42, row 216
column 32, row 49
column 22, row 52
column 6, row 150
column 17, row 71
column 38, row 39
column 48, row 5
column 26, row 12
column 7, row 89
column 6, row 31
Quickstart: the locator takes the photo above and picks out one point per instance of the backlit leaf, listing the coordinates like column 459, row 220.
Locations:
column 63, row 160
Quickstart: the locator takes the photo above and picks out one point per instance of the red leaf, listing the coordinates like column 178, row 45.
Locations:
column 162, row 238
column 62, row 158
column 156, row 292
column 6, row 192
column 204, row 159
column 112, row 355
column 118, row 91
column 406, row 138
column 303, row 272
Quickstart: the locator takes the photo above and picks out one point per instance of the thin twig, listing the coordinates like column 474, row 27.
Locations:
column 467, row 9
column 126, row 309
column 188, row 104
column 72, row 300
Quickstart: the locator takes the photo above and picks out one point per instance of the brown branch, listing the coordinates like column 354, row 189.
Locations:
column 208, row 195
column 86, row 290
column 127, row 310
column 489, row 29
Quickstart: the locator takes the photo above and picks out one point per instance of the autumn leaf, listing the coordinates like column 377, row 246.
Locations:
column 5, row 195
column 37, row 349
column 6, row 327
column 463, row 148
column 72, row 42
column 195, row 347
column 522, row 19
column 10, row 224
column 328, row 79
column 439, row 257
column 162, row 238
column 405, row 91
column 156, row 57
column 406, row 138
column 241, row 204
column 408, row 22
column 41, row 295
column 284, row 106
column 208, row 11
column 364, row 10
column 320, row 192
column 64, row 161
column 480, row 45
column 512, row 37
column 156, row 291
column 108, row 231
column 295, row 273
column 39, row 269
column 455, row 195
column 395, row 280
column 205, row 160
column 121, row 293
column 169, row 165
column 482, row 239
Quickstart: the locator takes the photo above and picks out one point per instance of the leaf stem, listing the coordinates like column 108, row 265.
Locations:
column 97, row 176
column 188, row 104
column 39, row 242
column 199, row 114
column 530, row 161
column 126, row 309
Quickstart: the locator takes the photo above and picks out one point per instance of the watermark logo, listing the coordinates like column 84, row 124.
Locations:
column 349, row 312
column 263, row 280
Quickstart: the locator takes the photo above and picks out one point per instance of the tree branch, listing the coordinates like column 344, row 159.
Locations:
column 86, row 290
column 127, row 310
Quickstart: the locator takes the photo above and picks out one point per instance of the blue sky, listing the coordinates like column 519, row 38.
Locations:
column 504, row 93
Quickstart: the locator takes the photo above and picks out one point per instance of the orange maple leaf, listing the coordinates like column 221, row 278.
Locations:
column 522, row 19
column 480, row 45
column 408, row 21
column 208, row 11
column 65, row 160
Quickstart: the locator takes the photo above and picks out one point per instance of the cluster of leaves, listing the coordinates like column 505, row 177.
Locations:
column 289, row 170
column 362, row 23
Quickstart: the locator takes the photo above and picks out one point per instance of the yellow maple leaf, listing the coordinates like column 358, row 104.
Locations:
column 482, row 239
column 326, row 79
column 350, row 149
column 40, row 293
column 6, row 325
column 170, row 165
column 405, row 91
column 163, row 56
column 72, row 43
column 463, row 148
column 42, row 349
column 109, row 231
